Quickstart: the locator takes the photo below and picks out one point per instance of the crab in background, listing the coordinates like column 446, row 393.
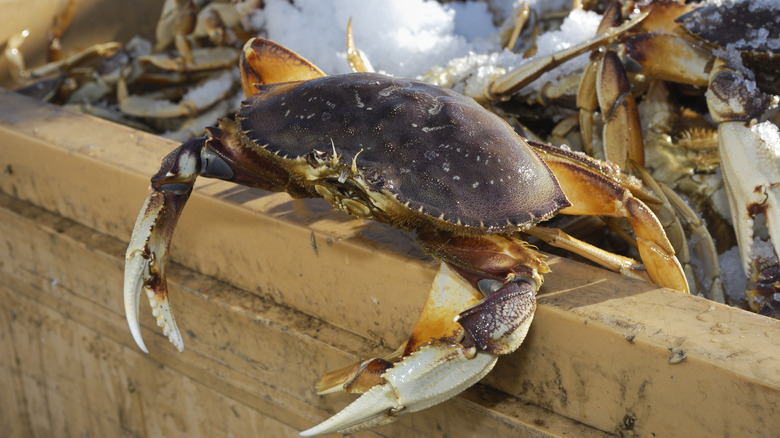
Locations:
column 420, row 158
column 184, row 80
column 681, row 93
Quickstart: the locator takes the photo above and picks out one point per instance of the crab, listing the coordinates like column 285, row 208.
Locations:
column 738, row 99
column 704, row 45
column 420, row 158
column 699, row 45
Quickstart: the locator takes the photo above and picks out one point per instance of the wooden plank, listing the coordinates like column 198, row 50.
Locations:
column 15, row 413
column 249, row 369
column 110, row 390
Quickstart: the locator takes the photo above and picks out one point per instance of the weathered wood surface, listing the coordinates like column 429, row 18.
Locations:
column 69, row 367
column 270, row 293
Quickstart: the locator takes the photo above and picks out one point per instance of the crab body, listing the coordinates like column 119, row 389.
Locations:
column 401, row 152
column 420, row 158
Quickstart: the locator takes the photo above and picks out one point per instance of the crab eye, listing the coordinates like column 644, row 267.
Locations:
column 315, row 158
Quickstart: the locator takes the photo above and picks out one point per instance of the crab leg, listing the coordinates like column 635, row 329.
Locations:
column 215, row 156
column 593, row 189
column 622, row 132
column 614, row 262
column 587, row 103
column 506, row 271
column 702, row 246
column 603, row 84
column 516, row 79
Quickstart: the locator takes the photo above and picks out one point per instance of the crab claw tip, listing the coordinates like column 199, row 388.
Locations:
column 374, row 408
column 135, row 266
column 162, row 311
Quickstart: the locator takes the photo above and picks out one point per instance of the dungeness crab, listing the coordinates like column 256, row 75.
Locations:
column 423, row 159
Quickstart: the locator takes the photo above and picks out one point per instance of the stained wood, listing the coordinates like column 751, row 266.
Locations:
column 249, row 368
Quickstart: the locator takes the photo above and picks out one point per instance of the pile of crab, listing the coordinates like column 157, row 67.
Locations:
column 681, row 96
column 184, row 80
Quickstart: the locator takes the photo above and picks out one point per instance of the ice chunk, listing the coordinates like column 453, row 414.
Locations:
column 402, row 37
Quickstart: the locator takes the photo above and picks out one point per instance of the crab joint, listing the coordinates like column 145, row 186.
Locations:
column 179, row 167
column 214, row 166
column 499, row 323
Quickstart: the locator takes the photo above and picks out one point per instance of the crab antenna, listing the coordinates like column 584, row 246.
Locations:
column 336, row 158
column 354, row 162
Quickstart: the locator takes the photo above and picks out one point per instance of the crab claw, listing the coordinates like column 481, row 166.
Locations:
column 750, row 171
column 148, row 250
column 435, row 372
column 449, row 349
column 145, row 270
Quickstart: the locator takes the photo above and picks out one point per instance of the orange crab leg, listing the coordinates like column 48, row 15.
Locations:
column 614, row 262
column 265, row 62
column 587, row 103
column 587, row 97
column 594, row 192
column 622, row 131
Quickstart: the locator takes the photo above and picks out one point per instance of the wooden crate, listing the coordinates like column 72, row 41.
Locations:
column 270, row 293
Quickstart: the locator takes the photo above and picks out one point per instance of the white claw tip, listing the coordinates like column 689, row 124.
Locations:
column 372, row 409
column 140, row 342
column 165, row 320
column 135, row 267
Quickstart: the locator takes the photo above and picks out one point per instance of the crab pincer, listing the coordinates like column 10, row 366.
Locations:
column 434, row 371
column 147, row 253
column 750, row 171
